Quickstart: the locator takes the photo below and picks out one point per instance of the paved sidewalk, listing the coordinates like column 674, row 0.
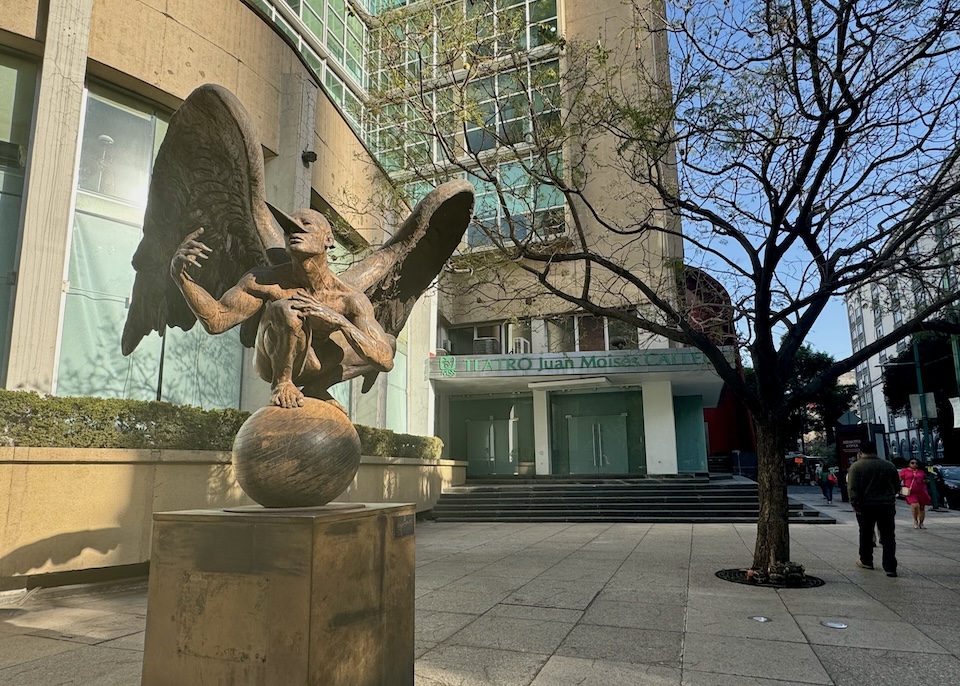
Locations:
column 594, row 605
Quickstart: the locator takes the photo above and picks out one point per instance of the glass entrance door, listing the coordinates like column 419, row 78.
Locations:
column 491, row 446
column 598, row 444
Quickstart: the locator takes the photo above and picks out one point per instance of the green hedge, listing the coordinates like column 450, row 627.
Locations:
column 28, row 419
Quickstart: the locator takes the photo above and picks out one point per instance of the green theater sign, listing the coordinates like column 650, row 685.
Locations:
column 578, row 363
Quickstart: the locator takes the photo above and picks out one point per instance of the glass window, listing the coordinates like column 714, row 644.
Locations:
column 312, row 15
column 119, row 142
column 521, row 340
column 560, row 335
column 590, row 335
column 116, row 151
column 18, row 80
column 623, row 336
column 460, row 341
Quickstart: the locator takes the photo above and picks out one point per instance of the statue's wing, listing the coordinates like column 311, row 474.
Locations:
column 209, row 173
column 396, row 274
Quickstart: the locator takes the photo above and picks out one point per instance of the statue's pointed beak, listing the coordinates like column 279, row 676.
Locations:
column 286, row 222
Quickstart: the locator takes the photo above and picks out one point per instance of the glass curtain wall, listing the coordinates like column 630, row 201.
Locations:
column 342, row 38
column 119, row 142
column 489, row 116
column 18, row 82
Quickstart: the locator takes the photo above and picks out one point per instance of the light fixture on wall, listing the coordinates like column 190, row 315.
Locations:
column 308, row 156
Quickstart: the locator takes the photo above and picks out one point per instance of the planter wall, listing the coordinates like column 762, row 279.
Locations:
column 65, row 510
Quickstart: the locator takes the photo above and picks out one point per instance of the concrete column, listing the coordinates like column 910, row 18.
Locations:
column 288, row 177
column 430, row 302
column 658, row 426
column 49, row 198
column 288, row 182
column 541, row 431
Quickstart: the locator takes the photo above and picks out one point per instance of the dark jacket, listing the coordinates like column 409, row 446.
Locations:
column 872, row 481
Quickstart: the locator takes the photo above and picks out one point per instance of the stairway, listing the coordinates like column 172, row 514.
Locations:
column 694, row 499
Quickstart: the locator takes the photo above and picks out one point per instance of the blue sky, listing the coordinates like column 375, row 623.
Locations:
column 831, row 333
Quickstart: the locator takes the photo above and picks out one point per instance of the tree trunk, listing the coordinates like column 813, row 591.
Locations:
column 773, row 534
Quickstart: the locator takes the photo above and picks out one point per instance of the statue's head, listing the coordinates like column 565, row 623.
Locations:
column 309, row 234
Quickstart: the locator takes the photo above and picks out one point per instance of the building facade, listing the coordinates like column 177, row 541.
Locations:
column 529, row 386
column 526, row 383
column 86, row 90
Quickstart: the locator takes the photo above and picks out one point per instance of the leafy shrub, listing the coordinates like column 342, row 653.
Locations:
column 28, row 419
column 386, row 443
column 52, row 422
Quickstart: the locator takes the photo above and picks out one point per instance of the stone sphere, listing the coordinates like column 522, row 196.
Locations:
column 299, row 457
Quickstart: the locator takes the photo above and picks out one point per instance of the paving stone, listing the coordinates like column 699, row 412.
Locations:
column 543, row 614
column 573, row 595
column 465, row 666
column 510, row 633
column 434, row 627
column 458, row 601
column 635, row 615
column 131, row 642
column 694, row 678
column 574, row 671
column 17, row 649
column 89, row 666
column 751, row 657
column 946, row 636
column 864, row 667
column 868, row 633
column 734, row 619
column 642, row 646
column 632, row 594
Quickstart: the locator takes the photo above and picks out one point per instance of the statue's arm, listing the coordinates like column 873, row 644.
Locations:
column 368, row 338
column 236, row 305
column 358, row 325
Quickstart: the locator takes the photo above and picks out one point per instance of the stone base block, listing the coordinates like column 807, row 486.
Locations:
column 321, row 596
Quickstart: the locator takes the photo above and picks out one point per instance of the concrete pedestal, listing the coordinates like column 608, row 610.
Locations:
column 318, row 596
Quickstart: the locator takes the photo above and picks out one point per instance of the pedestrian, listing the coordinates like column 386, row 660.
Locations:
column 827, row 481
column 913, row 478
column 872, row 488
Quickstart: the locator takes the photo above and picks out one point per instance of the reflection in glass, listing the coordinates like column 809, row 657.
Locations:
column 590, row 333
column 116, row 151
column 116, row 158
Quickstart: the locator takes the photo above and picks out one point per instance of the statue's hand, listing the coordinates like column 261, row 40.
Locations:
column 190, row 252
column 313, row 307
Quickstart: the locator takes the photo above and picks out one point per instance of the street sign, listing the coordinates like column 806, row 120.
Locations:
column 917, row 411
column 849, row 418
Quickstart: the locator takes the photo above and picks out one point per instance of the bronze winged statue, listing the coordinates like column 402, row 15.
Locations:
column 213, row 250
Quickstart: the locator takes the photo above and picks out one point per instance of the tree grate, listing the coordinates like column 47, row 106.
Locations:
column 739, row 576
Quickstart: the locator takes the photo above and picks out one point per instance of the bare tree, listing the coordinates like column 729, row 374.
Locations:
column 794, row 151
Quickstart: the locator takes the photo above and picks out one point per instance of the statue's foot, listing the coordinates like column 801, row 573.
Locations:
column 285, row 394
column 338, row 406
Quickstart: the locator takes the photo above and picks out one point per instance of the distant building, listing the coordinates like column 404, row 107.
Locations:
column 878, row 308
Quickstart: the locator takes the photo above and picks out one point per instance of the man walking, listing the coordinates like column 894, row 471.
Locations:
column 872, row 486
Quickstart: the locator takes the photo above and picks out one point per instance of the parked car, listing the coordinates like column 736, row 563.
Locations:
column 949, row 487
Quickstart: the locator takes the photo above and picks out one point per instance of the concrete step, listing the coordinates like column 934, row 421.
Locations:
column 575, row 499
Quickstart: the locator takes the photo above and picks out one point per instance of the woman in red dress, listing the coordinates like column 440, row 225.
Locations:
column 915, row 478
